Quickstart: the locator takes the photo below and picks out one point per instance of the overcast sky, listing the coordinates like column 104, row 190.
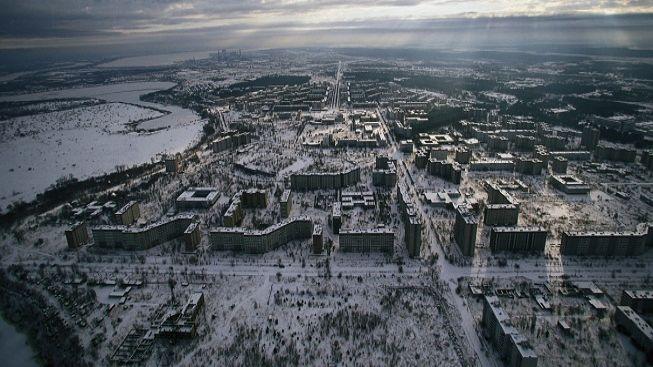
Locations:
column 277, row 23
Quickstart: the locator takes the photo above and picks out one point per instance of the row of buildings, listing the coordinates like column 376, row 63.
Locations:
column 244, row 199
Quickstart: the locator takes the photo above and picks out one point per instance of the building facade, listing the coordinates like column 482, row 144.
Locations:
column 239, row 239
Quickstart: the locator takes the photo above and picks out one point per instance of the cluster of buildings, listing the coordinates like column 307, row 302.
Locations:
column 244, row 199
column 244, row 240
column 449, row 171
column 324, row 180
column 412, row 222
column 182, row 323
column 362, row 199
column 511, row 346
column 569, row 184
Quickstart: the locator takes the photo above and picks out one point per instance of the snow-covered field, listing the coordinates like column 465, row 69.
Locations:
column 109, row 118
column 85, row 142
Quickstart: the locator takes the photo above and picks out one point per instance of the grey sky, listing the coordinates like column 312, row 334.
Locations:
column 38, row 23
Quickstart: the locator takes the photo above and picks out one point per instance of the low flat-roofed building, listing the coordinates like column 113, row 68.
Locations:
column 197, row 198
column 363, row 199
column 367, row 240
column 182, row 323
column 569, row 184
column 518, row 239
column 336, row 217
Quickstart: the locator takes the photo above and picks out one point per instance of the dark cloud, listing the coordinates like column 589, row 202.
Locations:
column 115, row 21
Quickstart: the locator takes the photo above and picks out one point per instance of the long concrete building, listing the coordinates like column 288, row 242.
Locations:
column 605, row 243
column 141, row 238
column 639, row 300
column 412, row 222
column 325, row 181
column 636, row 327
column 518, row 239
column 512, row 347
column 367, row 240
column 465, row 229
column 244, row 240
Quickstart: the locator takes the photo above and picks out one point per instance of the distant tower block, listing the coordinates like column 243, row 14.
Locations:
column 465, row 230
column 286, row 203
column 590, row 137
column 318, row 239
column 192, row 236
column 559, row 165
column 173, row 163
column 77, row 235
column 336, row 217
column 128, row 214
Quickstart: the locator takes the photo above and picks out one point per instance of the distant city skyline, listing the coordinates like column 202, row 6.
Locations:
column 244, row 23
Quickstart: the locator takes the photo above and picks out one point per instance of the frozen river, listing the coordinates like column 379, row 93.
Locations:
column 14, row 350
column 33, row 162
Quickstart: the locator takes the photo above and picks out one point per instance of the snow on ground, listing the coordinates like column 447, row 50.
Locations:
column 83, row 145
column 109, row 118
